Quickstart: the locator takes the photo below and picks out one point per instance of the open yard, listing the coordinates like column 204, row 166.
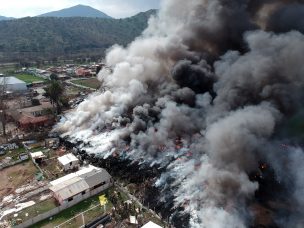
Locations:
column 14, row 154
column 52, row 169
column 28, row 78
column 72, row 217
column 91, row 83
column 69, row 213
column 33, row 211
column 15, row 176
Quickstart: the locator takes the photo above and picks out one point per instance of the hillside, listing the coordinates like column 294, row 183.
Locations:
column 76, row 11
column 48, row 37
column 2, row 18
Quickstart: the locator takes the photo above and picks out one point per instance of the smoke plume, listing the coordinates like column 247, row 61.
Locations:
column 206, row 94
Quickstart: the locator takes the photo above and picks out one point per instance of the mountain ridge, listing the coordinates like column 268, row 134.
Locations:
column 3, row 18
column 45, row 38
column 76, row 11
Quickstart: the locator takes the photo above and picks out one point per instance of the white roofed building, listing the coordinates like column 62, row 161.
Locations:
column 13, row 84
column 151, row 225
column 82, row 184
column 69, row 162
column 38, row 156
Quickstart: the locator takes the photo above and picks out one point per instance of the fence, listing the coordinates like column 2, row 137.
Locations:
column 56, row 210
column 3, row 166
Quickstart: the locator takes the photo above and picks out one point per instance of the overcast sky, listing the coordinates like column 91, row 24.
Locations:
column 114, row 8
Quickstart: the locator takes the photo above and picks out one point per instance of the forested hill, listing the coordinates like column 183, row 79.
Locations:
column 76, row 11
column 2, row 18
column 43, row 38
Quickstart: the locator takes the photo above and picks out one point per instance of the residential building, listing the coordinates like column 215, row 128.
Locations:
column 38, row 157
column 151, row 225
column 69, row 162
column 33, row 117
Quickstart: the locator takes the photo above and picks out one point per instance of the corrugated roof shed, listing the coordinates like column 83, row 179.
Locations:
column 151, row 225
column 63, row 179
column 66, row 159
column 37, row 155
column 93, row 175
column 70, row 187
column 75, row 183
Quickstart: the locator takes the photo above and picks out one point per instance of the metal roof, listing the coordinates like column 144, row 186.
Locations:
column 63, row 179
column 38, row 154
column 67, row 159
column 70, row 187
column 10, row 80
column 151, row 225
column 75, row 183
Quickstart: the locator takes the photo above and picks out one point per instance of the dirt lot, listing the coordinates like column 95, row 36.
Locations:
column 13, row 177
column 91, row 83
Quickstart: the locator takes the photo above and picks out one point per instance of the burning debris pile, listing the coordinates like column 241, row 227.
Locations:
column 204, row 95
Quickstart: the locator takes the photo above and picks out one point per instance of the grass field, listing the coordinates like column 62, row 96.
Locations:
column 28, row 78
column 14, row 154
column 91, row 83
column 73, row 211
column 34, row 210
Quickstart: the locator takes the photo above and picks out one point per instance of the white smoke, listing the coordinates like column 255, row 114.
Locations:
column 223, row 133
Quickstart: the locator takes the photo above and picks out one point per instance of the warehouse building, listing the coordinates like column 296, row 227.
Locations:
column 80, row 185
column 13, row 84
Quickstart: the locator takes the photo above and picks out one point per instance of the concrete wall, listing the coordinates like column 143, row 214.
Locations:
column 66, row 205
column 75, row 164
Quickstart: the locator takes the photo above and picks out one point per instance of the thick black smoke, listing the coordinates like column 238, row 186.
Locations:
column 287, row 18
column 198, row 77
column 206, row 95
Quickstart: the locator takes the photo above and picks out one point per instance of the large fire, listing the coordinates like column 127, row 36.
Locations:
column 196, row 110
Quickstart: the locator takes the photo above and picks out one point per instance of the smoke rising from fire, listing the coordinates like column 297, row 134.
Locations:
column 203, row 93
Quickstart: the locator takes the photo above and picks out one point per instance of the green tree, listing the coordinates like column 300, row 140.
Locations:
column 54, row 76
column 55, row 91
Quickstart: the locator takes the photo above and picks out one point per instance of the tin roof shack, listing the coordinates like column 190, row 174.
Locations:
column 80, row 185
column 151, row 225
column 38, row 157
column 69, row 162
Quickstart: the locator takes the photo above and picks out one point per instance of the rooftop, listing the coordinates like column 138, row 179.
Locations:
column 38, row 154
column 151, row 225
column 74, row 183
column 10, row 80
column 70, row 187
column 38, row 108
column 68, row 158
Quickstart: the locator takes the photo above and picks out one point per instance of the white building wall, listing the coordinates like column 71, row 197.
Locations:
column 17, row 87
column 75, row 164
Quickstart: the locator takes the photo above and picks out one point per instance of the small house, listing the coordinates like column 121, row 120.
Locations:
column 151, row 225
column 23, row 156
column 69, row 162
column 38, row 157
